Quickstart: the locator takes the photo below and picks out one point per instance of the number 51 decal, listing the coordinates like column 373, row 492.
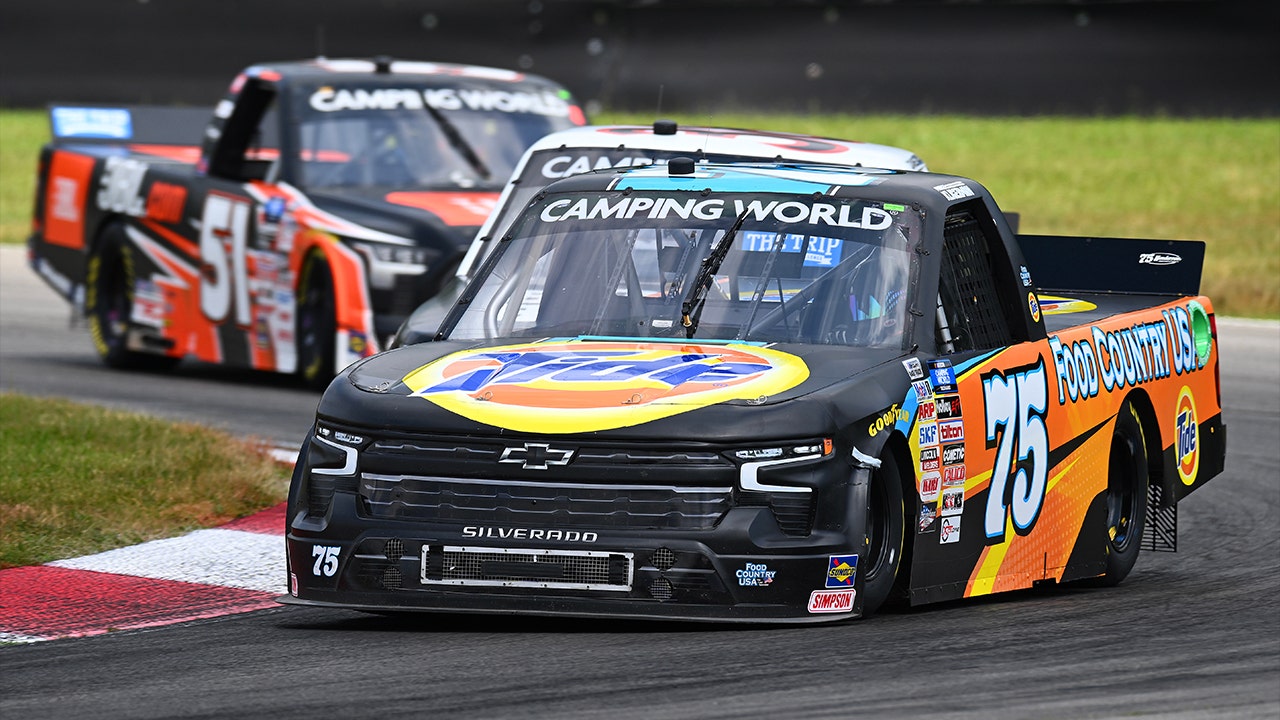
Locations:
column 225, row 219
column 1015, row 407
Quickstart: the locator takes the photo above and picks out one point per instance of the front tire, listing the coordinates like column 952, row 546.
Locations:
column 1127, row 480
column 882, row 553
column 108, row 304
column 317, row 323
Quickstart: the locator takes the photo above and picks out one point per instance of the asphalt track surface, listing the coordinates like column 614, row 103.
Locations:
column 1194, row 634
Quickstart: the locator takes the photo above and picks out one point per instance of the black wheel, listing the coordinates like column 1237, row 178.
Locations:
column 1127, row 479
column 108, row 304
column 317, row 323
column 882, row 554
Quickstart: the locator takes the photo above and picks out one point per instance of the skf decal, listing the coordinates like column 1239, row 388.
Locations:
column 831, row 601
column 1188, row 437
column 571, row 386
column 1015, row 406
column 842, row 570
column 1129, row 357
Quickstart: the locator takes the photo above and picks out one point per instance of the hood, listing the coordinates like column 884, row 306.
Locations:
column 422, row 215
column 599, row 385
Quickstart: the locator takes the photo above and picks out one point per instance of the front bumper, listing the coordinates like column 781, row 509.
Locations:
column 742, row 570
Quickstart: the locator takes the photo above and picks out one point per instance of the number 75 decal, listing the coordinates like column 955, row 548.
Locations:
column 1015, row 407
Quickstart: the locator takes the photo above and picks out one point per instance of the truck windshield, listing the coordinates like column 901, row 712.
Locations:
column 799, row 269
column 407, row 147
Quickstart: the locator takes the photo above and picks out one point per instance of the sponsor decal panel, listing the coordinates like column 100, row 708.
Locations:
column 942, row 377
column 887, row 420
column 914, row 370
column 928, row 434
column 947, row 407
column 831, row 601
column 571, row 386
column 952, row 501
column 929, row 459
column 755, row 575
column 1188, row 437
column 950, row 531
column 950, row 431
column 953, row 475
column 930, row 484
column 1111, row 360
column 842, row 571
column 953, row 454
column 928, row 518
column 923, row 390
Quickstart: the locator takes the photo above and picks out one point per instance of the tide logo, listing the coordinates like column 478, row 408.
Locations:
column 573, row 386
column 1188, row 437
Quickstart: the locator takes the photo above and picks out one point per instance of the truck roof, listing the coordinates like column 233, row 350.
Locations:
column 700, row 142
column 321, row 68
column 932, row 191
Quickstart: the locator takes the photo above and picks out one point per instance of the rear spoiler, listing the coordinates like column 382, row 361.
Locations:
column 128, row 124
column 1114, row 265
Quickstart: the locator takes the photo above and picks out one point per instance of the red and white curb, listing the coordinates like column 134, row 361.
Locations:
column 235, row 568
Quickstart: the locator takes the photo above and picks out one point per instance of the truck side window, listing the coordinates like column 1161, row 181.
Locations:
column 970, row 313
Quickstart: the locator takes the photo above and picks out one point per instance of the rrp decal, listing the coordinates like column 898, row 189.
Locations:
column 572, row 386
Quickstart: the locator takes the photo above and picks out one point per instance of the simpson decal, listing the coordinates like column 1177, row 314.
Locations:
column 1188, row 437
column 570, row 387
column 831, row 601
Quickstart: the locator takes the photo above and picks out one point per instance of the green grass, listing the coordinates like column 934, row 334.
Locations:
column 1216, row 180
column 76, row 480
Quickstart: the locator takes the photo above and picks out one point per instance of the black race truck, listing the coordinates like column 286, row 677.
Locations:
column 765, row 392
column 292, row 227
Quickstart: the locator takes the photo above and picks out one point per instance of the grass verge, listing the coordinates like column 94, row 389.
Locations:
column 76, row 480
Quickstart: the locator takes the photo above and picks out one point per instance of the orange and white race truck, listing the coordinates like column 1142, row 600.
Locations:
column 294, row 226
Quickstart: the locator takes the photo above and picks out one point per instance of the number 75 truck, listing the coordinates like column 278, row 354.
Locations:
column 765, row 392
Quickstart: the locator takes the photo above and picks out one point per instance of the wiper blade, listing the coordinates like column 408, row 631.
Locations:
column 691, row 308
column 459, row 143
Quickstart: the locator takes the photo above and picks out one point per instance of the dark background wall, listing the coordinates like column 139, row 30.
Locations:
column 1178, row 57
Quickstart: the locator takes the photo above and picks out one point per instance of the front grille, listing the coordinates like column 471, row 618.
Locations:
column 505, row 567
column 557, row 504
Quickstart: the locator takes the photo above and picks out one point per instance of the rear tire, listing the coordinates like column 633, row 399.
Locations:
column 1127, row 480
column 882, row 553
column 108, row 304
column 317, row 323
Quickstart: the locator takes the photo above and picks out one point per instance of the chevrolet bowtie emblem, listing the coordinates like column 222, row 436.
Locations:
column 536, row 456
